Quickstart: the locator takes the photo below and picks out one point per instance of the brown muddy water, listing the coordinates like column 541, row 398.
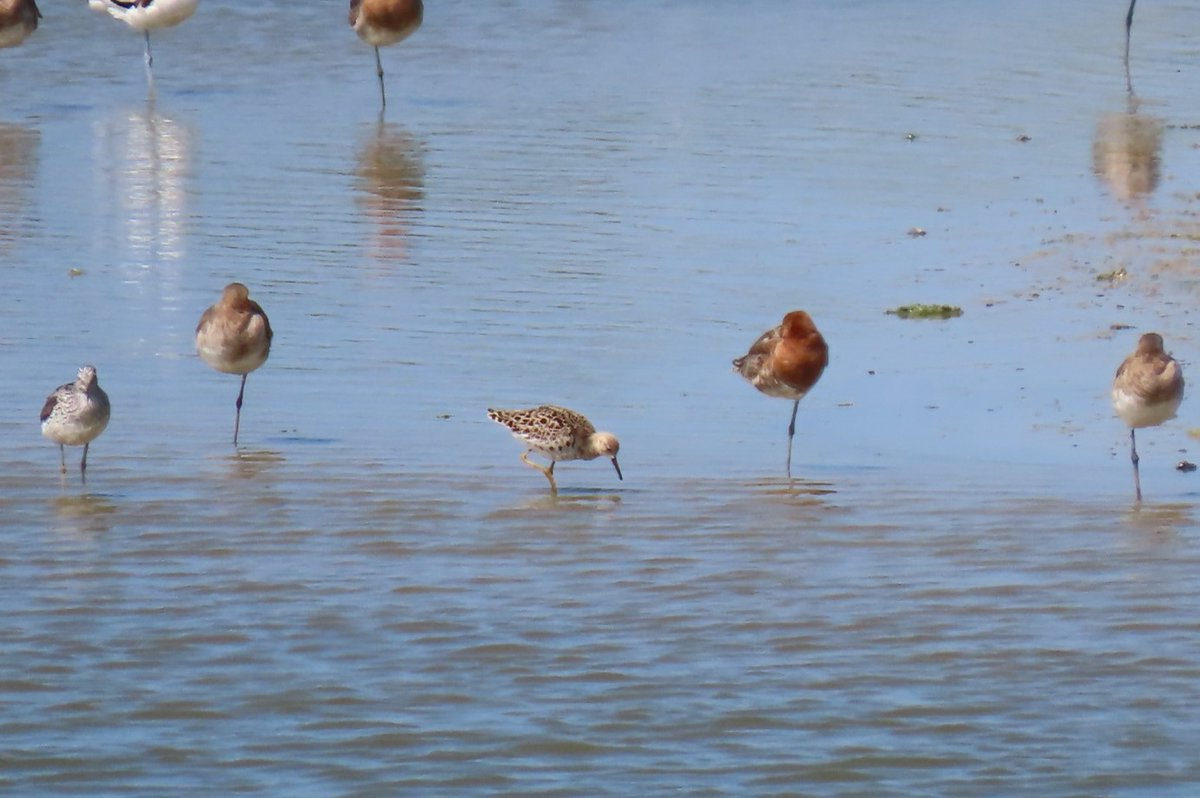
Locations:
column 599, row 205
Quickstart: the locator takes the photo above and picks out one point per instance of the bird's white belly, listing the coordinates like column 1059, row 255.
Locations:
column 1137, row 414
column 75, row 432
column 223, row 360
column 159, row 14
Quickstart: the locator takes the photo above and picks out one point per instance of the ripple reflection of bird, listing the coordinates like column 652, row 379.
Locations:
column 1127, row 153
column 148, row 158
column 18, row 164
column 85, row 516
column 1127, row 149
column 391, row 183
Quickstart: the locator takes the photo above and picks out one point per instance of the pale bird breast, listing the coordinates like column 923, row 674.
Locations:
column 1137, row 413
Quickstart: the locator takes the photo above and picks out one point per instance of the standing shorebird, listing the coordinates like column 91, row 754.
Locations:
column 786, row 362
column 18, row 19
column 147, row 15
column 383, row 22
column 75, row 414
column 1146, row 392
column 558, row 434
column 234, row 337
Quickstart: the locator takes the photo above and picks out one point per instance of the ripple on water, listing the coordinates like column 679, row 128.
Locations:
column 374, row 596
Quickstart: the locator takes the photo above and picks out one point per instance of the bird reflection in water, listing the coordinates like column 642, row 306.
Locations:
column 1126, row 154
column 577, row 503
column 1160, row 525
column 83, row 516
column 807, row 492
column 18, row 163
column 252, row 464
column 147, row 164
column 1127, row 150
column 391, row 189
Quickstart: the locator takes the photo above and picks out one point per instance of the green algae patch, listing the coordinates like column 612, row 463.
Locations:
column 926, row 311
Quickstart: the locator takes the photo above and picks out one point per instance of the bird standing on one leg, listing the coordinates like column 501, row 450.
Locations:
column 786, row 362
column 234, row 337
column 558, row 434
column 75, row 414
column 18, row 19
column 383, row 22
column 147, row 15
column 1146, row 392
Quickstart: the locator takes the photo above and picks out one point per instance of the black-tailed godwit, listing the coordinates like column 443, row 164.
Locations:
column 1146, row 392
column 380, row 23
column 234, row 337
column 786, row 362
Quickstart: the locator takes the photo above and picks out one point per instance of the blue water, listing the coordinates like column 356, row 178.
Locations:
column 599, row 205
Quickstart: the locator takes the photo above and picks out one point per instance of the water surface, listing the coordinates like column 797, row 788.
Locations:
column 599, row 205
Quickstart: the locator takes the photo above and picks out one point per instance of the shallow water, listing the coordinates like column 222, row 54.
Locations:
column 600, row 206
